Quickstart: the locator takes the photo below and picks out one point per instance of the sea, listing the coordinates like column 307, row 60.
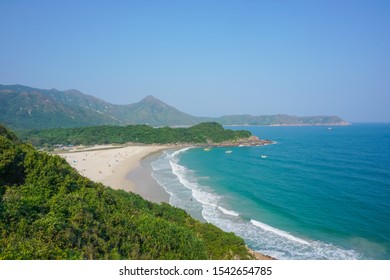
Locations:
column 316, row 193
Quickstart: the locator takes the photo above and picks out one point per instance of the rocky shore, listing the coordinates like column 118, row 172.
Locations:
column 243, row 142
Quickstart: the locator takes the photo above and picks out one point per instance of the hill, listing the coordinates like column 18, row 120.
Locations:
column 204, row 133
column 23, row 107
column 154, row 112
column 49, row 211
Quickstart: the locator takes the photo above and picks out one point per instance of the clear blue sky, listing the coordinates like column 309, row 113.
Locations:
column 207, row 58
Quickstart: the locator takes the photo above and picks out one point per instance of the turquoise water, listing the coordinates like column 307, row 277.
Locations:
column 317, row 193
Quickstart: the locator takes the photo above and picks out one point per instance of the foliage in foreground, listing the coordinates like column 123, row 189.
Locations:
column 49, row 211
column 198, row 134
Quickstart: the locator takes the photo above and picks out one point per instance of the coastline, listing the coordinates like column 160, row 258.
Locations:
column 120, row 168
column 127, row 168
column 144, row 184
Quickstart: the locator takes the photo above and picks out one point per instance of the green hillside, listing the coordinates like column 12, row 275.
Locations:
column 199, row 134
column 154, row 112
column 23, row 108
column 49, row 211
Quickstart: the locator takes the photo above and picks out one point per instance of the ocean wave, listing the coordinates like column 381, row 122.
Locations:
column 203, row 203
column 203, row 197
column 228, row 212
column 178, row 152
column 278, row 232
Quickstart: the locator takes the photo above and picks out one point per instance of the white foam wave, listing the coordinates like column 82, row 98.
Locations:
column 176, row 153
column 278, row 232
column 228, row 212
column 202, row 203
column 201, row 196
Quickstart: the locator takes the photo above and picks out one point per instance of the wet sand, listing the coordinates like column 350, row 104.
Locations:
column 120, row 168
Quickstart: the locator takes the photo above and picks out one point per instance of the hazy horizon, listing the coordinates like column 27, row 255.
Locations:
column 207, row 58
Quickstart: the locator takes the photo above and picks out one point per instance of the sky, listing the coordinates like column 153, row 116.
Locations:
column 207, row 58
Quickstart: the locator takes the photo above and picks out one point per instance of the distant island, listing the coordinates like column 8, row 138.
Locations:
column 23, row 107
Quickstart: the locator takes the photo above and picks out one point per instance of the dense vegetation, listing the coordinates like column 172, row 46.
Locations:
column 201, row 133
column 25, row 108
column 49, row 211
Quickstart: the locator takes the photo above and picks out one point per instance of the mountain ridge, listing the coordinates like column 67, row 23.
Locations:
column 23, row 107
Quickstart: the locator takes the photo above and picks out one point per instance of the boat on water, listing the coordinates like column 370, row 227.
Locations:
column 207, row 149
column 263, row 156
column 228, row 152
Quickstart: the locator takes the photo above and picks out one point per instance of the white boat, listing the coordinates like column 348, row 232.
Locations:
column 228, row 152
column 207, row 149
column 263, row 156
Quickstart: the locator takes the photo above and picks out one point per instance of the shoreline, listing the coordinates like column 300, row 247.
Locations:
column 127, row 168
column 144, row 183
column 121, row 168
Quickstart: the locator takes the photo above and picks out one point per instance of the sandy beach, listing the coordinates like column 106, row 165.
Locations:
column 119, row 168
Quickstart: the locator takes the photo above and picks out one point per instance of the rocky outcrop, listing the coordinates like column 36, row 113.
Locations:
column 243, row 142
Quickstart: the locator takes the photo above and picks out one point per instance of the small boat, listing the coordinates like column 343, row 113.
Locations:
column 207, row 149
column 263, row 156
column 228, row 152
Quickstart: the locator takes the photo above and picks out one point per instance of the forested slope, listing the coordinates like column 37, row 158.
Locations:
column 198, row 134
